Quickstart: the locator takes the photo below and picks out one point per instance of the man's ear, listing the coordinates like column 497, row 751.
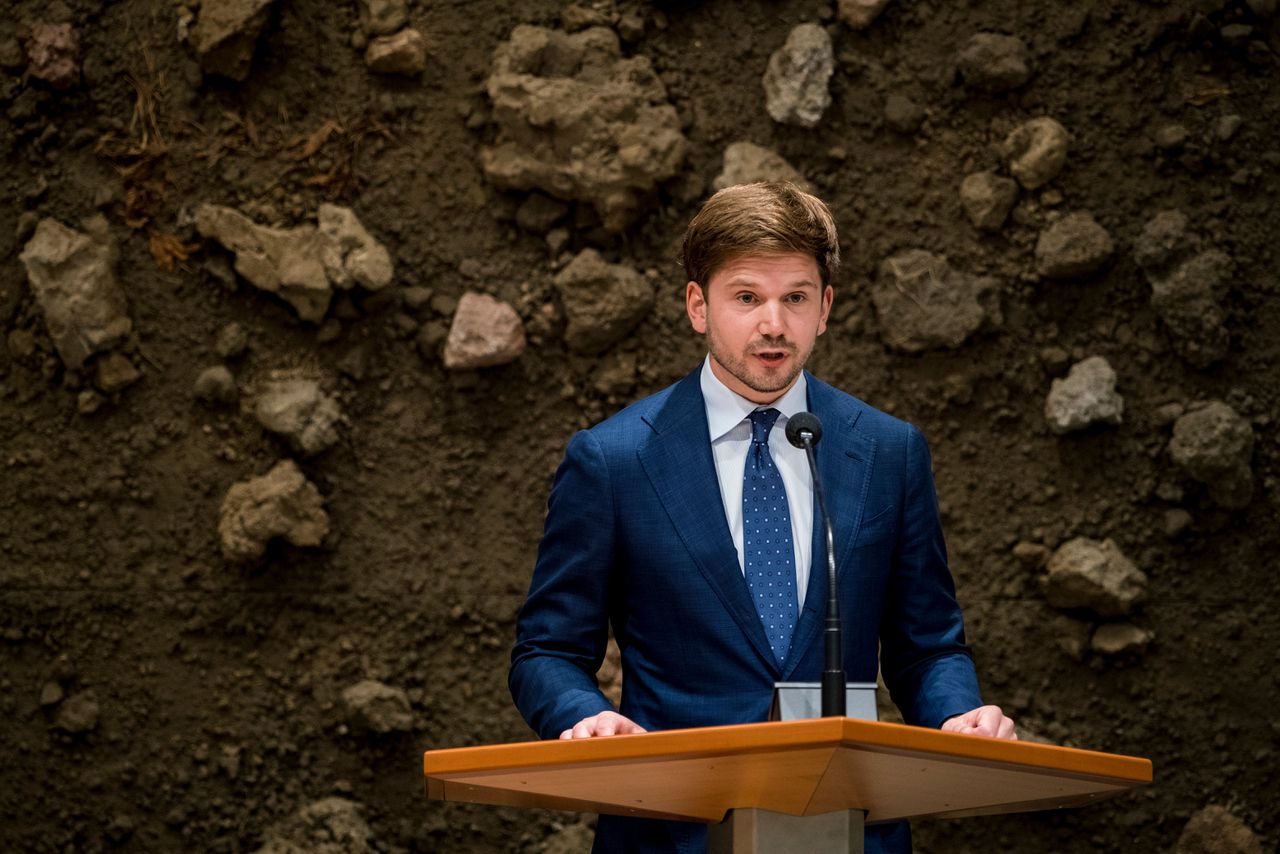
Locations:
column 695, row 305
column 828, row 297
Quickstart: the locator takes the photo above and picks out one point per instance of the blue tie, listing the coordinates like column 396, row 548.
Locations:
column 768, row 555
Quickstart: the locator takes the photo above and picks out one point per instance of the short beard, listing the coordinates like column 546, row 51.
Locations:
column 738, row 368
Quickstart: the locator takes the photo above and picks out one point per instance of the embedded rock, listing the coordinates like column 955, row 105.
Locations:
column 484, row 332
column 902, row 114
column 53, row 52
column 1190, row 302
column 1120, row 639
column 232, row 341
column 298, row 410
column 383, row 17
column 225, row 34
column 1086, row 396
column 602, row 302
column 285, row 262
column 987, row 199
column 1036, row 151
column 78, row 713
column 114, row 372
column 301, row 265
column 350, row 254
column 580, row 122
column 282, row 503
column 328, row 826
column 748, row 163
column 1072, row 247
column 403, row 53
column 571, row 839
column 923, row 303
column 215, row 385
column 1094, row 575
column 73, row 279
column 373, row 707
column 1163, row 242
column 1216, row 830
column 1214, row 445
column 609, row 676
column 795, row 83
column 859, row 14
column 540, row 213
column 994, row 62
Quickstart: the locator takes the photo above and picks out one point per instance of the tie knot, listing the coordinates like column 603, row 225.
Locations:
column 762, row 421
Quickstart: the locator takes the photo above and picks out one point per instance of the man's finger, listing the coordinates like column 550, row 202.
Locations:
column 566, row 735
column 606, row 725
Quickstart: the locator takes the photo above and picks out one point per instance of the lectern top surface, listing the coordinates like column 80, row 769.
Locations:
column 797, row 767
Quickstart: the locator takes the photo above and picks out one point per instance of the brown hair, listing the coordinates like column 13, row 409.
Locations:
column 771, row 217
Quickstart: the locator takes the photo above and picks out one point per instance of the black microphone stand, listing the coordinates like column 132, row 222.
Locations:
column 833, row 678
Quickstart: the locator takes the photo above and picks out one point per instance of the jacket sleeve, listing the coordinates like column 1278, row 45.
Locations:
column 927, row 667
column 562, row 630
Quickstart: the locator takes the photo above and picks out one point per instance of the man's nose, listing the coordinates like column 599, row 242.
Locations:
column 770, row 318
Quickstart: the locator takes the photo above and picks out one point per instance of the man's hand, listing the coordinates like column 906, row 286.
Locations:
column 984, row 720
column 605, row 723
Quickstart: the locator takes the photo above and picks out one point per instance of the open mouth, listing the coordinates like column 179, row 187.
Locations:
column 772, row 357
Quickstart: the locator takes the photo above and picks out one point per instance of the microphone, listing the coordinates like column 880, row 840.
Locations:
column 804, row 429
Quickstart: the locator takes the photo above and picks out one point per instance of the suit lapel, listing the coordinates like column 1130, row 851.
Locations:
column 679, row 464
column 845, row 457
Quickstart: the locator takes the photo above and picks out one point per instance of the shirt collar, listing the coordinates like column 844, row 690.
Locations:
column 727, row 409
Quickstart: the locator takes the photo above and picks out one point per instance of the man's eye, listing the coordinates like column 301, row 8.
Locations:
column 746, row 299
column 795, row 298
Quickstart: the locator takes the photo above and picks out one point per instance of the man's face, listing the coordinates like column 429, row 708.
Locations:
column 761, row 315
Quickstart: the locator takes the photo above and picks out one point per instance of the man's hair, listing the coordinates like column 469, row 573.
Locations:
column 764, row 218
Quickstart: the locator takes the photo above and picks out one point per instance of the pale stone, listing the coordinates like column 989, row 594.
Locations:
column 1074, row 246
column 351, row 255
column 285, row 262
column 226, row 33
column 403, row 53
column 53, row 54
column 1214, row 445
column 282, row 503
column 327, row 826
column 602, row 302
column 1216, row 830
column 859, row 14
column 922, row 303
column 1095, row 575
column 994, row 62
column 1086, row 396
column 377, row 708
column 580, row 122
column 1119, row 639
column 796, row 81
column 748, row 163
column 987, row 199
column 114, row 372
column 383, row 17
column 298, row 410
column 73, row 279
column 484, row 332
column 1037, row 151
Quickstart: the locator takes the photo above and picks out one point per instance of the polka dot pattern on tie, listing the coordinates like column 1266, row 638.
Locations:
column 768, row 554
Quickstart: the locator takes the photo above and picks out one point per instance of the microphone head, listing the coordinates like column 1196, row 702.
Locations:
column 801, row 426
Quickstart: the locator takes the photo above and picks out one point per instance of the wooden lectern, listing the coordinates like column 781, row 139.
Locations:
column 831, row 772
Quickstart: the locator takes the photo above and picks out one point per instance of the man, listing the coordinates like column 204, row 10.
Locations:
column 687, row 521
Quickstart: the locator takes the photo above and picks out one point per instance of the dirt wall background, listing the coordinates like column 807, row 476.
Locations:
column 202, row 651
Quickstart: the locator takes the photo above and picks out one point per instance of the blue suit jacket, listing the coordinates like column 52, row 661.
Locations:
column 636, row 536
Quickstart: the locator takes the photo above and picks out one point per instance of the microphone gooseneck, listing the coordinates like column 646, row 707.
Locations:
column 804, row 429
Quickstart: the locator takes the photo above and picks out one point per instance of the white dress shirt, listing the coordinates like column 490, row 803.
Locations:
column 730, row 427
